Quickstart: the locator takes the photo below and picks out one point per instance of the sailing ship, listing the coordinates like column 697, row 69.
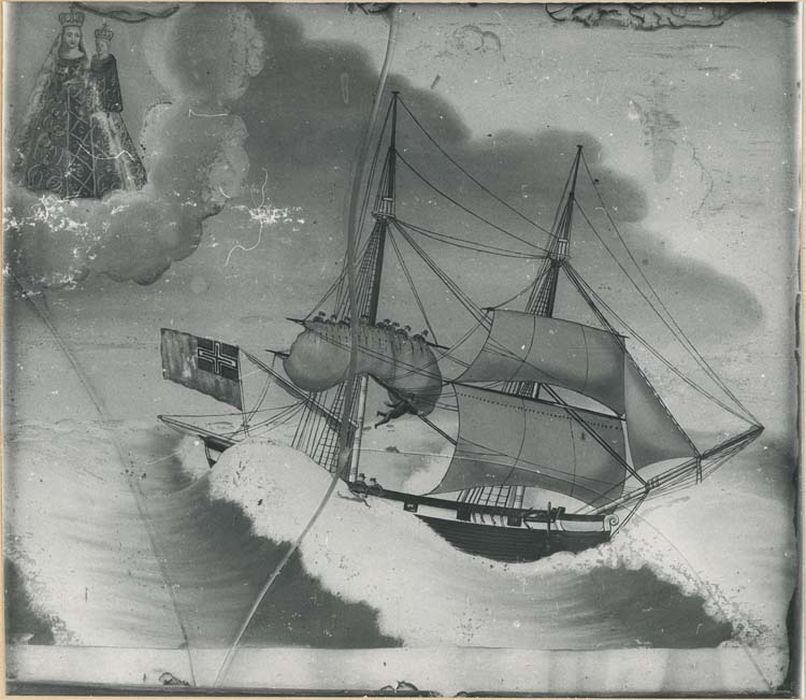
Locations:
column 548, row 408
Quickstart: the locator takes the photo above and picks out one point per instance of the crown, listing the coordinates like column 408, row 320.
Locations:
column 104, row 33
column 71, row 19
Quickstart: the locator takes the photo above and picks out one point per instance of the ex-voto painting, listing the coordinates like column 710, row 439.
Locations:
column 401, row 349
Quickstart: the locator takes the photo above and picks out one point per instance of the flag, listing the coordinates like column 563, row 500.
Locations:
column 206, row 365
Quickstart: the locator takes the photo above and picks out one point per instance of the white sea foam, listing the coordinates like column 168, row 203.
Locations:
column 66, row 485
column 74, row 531
column 430, row 594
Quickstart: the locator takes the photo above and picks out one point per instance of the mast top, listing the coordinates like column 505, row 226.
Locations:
column 385, row 199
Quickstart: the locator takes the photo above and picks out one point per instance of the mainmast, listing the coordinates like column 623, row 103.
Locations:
column 383, row 210
column 313, row 436
column 544, row 291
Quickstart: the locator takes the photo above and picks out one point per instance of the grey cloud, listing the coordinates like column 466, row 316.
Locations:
column 303, row 133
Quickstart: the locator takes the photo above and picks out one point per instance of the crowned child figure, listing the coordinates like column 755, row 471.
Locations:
column 116, row 162
column 104, row 73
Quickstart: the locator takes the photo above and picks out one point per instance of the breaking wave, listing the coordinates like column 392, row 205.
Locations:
column 365, row 575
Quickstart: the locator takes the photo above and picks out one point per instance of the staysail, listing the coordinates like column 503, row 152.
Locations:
column 508, row 440
column 654, row 434
column 591, row 361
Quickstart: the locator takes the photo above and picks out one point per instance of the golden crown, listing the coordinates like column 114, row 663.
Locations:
column 104, row 33
column 71, row 19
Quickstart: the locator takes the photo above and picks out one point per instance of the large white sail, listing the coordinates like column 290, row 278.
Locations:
column 508, row 440
column 591, row 361
column 523, row 347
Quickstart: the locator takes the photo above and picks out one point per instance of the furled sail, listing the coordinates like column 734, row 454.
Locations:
column 508, row 440
column 591, row 361
column 320, row 359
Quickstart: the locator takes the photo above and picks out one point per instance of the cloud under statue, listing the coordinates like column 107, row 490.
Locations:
column 194, row 157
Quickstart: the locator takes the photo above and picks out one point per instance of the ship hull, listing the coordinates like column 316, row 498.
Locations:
column 511, row 544
column 500, row 533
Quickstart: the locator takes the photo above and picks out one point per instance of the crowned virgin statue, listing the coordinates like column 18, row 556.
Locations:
column 74, row 142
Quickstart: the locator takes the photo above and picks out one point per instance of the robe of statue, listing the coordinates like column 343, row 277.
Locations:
column 54, row 153
column 73, row 141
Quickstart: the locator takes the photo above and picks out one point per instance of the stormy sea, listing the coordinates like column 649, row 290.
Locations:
column 194, row 545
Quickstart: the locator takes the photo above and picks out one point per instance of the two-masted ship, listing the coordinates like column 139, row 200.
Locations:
column 560, row 435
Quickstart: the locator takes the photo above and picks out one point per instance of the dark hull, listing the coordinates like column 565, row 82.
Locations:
column 511, row 544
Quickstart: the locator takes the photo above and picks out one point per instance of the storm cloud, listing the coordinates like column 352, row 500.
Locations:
column 250, row 93
column 303, row 132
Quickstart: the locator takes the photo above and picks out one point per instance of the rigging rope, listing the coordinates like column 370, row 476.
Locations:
column 471, row 177
column 520, row 293
column 468, row 244
column 419, row 301
column 276, row 421
column 261, row 398
column 337, row 283
column 337, row 286
column 466, row 209
column 364, row 210
column 230, row 414
column 375, row 158
column 472, row 308
column 669, row 321
column 447, row 351
column 559, row 212
column 578, row 280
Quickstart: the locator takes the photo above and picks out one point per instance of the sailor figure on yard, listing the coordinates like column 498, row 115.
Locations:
column 374, row 486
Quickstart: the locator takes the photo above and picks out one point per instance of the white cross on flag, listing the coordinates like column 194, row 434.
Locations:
column 206, row 365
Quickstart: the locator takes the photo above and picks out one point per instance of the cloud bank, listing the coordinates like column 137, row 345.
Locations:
column 313, row 145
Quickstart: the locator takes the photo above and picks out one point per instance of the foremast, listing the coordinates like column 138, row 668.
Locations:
column 314, row 436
